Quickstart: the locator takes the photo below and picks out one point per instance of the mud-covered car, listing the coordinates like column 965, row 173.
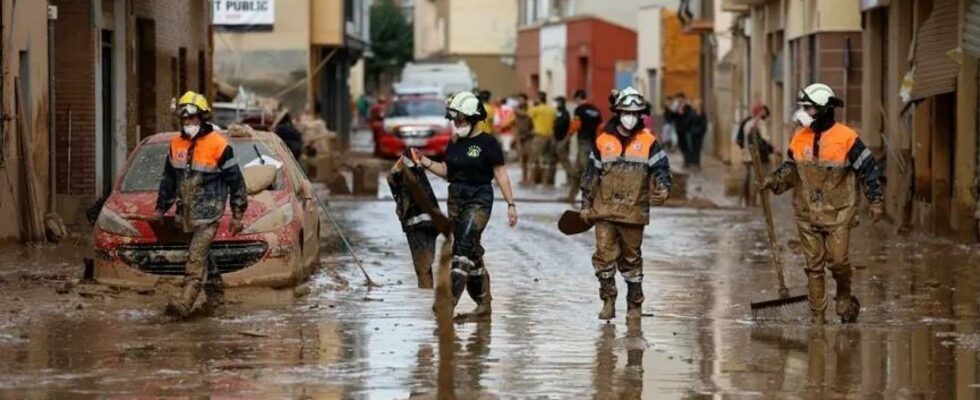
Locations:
column 278, row 248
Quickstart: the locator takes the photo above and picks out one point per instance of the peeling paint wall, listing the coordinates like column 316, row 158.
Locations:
column 26, row 28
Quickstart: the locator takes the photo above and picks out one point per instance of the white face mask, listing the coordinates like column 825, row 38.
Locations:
column 629, row 121
column 191, row 130
column 803, row 118
column 462, row 129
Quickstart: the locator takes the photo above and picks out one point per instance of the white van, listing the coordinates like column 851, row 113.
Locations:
column 448, row 77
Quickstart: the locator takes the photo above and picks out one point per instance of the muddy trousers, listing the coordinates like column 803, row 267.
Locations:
column 618, row 247
column 578, row 168
column 469, row 211
column 200, row 271
column 827, row 247
column 524, row 153
column 539, row 158
column 562, row 151
column 422, row 243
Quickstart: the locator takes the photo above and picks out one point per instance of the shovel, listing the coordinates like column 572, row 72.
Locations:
column 761, row 308
column 571, row 223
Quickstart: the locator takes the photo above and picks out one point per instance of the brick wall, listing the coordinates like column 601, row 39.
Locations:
column 183, row 26
column 831, row 52
column 75, row 84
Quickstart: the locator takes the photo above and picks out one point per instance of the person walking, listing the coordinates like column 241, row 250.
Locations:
column 698, row 130
column 543, row 118
column 682, row 117
column 560, row 142
column 825, row 163
column 629, row 171
column 750, row 129
column 200, row 175
column 584, row 126
column 473, row 160
column 525, row 135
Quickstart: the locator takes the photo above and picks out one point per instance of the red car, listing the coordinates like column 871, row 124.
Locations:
column 418, row 122
column 279, row 247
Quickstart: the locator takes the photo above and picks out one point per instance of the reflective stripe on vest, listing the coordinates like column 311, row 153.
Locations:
column 207, row 152
column 637, row 148
column 835, row 144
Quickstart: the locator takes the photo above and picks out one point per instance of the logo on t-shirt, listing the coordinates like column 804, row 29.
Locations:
column 473, row 151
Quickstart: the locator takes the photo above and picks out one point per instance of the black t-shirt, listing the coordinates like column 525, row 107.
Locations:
column 591, row 118
column 471, row 160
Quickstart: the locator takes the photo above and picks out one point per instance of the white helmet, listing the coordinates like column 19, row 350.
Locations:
column 818, row 95
column 465, row 104
column 630, row 100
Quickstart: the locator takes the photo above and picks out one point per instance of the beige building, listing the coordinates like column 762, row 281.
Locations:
column 302, row 56
column 483, row 33
column 24, row 123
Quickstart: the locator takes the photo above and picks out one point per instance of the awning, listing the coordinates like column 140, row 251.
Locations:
column 935, row 70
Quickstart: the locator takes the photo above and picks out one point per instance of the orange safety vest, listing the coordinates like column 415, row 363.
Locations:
column 834, row 145
column 610, row 148
column 207, row 152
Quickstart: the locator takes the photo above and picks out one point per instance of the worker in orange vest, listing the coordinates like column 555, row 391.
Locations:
column 628, row 171
column 826, row 161
column 199, row 175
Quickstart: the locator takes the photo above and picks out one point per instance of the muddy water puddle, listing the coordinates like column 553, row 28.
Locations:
column 917, row 337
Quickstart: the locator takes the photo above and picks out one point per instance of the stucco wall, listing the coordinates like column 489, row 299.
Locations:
column 552, row 67
column 482, row 27
column 649, row 55
column 29, row 33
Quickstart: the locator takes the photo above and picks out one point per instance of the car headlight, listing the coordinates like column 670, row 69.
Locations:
column 272, row 220
column 111, row 222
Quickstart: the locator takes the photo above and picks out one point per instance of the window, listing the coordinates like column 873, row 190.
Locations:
column 349, row 10
column 202, row 73
column 182, row 85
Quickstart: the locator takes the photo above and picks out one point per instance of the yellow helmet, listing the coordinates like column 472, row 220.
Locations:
column 192, row 103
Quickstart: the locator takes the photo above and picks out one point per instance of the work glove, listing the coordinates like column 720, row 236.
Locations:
column 660, row 196
column 766, row 184
column 410, row 158
column 877, row 210
column 236, row 226
column 587, row 215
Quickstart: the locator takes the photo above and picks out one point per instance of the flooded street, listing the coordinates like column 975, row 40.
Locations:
column 917, row 336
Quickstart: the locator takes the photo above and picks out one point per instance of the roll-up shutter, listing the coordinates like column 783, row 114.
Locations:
column 935, row 71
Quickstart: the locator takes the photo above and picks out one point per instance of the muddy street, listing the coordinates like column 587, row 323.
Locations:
column 336, row 339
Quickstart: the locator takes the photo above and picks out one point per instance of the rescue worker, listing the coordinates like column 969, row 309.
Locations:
column 584, row 126
column 416, row 223
column 628, row 172
column 543, row 117
column 525, row 134
column 826, row 160
column 200, row 174
column 750, row 129
column 473, row 160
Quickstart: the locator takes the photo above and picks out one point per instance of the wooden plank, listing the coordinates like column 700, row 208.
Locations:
column 966, row 150
column 922, row 149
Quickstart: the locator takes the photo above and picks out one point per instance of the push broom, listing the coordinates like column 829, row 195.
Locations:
column 784, row 304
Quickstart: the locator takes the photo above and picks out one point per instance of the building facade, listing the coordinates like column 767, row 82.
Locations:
column 119, row 64
column 481, row 33
column 25, row 193
column 302, row 56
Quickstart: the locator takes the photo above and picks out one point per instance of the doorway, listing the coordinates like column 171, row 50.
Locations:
column 108, row 102
column 146, row 76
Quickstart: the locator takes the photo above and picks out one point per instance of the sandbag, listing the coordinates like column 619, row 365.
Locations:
column 259, row 177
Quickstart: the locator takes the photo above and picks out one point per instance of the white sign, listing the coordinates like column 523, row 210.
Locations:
column 244, row 12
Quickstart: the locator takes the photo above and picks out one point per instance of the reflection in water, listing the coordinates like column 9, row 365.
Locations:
column 612, row 380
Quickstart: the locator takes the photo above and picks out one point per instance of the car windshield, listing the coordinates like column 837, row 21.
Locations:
column 418, row 108
column 147, row 167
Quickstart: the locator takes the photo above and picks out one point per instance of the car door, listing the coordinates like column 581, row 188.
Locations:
column 308, row 203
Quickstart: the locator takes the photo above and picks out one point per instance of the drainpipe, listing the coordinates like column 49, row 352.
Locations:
column 52, row 170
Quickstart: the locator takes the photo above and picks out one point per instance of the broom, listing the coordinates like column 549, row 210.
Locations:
column 771, row 309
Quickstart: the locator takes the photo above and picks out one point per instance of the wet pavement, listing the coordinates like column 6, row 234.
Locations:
column 917, row 336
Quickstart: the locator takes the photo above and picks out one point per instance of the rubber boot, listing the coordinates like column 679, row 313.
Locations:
column 634, row 300
column 817, row 296
column 478, row 288
column 180, row 306
column 214, row 289
column 847, row 306
column 549, row 177
column 607, row 292
column 537, row 175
